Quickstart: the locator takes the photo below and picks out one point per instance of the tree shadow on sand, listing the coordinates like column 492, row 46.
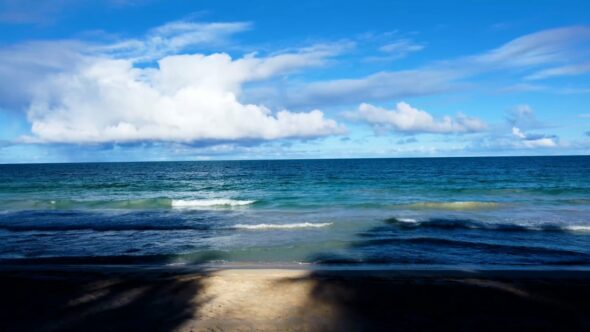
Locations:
column 94, row 298
column 456, row 300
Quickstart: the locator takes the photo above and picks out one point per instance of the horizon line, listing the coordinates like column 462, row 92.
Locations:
column 291, row 159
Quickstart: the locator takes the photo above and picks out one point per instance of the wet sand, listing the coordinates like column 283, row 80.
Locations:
column 103, row 299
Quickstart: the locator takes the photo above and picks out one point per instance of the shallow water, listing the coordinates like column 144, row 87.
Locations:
column 512, row 211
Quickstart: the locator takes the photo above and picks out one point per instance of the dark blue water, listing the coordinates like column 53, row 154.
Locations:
column 485, row 212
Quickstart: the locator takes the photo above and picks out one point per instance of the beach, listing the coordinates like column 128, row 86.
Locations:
column 36, row 298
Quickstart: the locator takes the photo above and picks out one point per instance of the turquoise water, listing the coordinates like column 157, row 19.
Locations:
column 487, row 212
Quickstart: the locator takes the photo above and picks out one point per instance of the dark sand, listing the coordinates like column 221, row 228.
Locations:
column 131, row 299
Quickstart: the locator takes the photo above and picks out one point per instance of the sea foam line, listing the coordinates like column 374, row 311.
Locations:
column 578, row 228
column 282, row 226
column 180, row 203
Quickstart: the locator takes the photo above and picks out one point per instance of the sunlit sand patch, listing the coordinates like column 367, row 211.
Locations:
column 248, row 299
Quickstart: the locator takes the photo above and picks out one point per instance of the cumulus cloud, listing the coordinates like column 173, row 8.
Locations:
column 22, row 67
column 407, row 119
column 187, row 98
column 156, row 88
column 534, row 140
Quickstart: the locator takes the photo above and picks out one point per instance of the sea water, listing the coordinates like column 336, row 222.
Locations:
column 482, row 212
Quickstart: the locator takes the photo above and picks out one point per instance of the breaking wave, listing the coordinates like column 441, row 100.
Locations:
column 443, row 223
column 200, row 203
column 282, row 226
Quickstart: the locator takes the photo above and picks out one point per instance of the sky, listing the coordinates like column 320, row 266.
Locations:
column 141, row 80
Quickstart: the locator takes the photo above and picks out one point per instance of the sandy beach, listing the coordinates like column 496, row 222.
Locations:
column 48, row 299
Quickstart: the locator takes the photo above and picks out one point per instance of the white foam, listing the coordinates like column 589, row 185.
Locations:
column 200, row 203
column 282, row 226
column 578, row 228
column 407, row 220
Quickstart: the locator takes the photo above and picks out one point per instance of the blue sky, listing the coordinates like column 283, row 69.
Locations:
column 126, row 80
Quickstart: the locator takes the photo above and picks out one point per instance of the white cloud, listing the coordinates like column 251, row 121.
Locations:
column 23, row 65
column 97, row 92
column 534, row 140
column 188, row 98
column 407, row 119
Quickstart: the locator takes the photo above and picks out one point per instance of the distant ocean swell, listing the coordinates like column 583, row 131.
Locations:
column 459, row 205
column 167, row 203
column 139, row 204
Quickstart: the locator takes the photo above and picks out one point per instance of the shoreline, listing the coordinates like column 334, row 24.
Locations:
column 269, row 299
column 352, row 269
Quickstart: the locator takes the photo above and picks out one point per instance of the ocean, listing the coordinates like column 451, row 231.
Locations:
column 500, row 212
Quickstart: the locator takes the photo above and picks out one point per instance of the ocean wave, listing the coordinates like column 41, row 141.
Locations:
column 578, row 228
column 100, row 227
column 200, row 203
column 504, row 248
column 448, row 223
column 282, row 226
column 458, row 205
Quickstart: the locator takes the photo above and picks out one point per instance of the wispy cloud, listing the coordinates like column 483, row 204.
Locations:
column 521, row 56
column 47, row 11
column 375, row 87
column 523, row 116
column 397, row 49
column 540, row 48
column 174, row 38
column 572, row 70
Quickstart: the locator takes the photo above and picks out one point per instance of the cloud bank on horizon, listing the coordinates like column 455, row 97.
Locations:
column 196, row 88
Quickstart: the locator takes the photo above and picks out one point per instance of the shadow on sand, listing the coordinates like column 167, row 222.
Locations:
column 446, row 301
column 100, row 294
column 453, row 300
column 84, row 301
